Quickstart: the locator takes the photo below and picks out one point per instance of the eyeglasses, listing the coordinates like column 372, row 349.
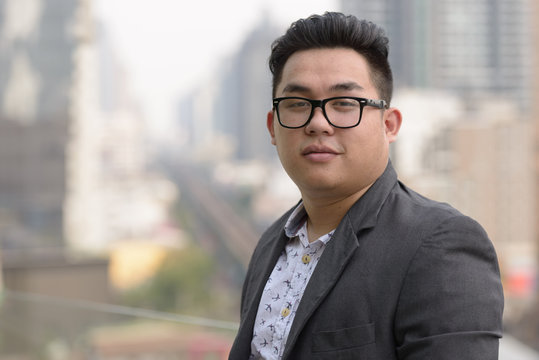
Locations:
column 341, row 111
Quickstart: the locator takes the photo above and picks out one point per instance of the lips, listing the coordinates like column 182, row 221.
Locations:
column 318, row 149
column 319, row 153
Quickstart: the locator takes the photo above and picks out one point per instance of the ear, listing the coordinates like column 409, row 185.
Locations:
column 392, row 123
column 269, row 123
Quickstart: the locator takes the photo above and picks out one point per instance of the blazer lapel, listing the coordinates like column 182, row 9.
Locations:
column 271, row 250
column 332, row 263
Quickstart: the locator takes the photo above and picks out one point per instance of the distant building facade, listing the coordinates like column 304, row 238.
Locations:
column 73, row 150
column 228, row 116
column 473, row 47
column 535, row 110
column 37, row 44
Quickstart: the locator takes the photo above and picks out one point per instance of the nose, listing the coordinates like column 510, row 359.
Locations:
column 318, row 123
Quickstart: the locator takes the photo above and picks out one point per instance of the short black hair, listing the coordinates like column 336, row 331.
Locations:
column 333, row 30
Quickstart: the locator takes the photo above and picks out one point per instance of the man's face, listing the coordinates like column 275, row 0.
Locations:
column 324, row 161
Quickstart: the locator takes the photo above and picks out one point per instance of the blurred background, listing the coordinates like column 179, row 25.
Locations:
column 136, row 172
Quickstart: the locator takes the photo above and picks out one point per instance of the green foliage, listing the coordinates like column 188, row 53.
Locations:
column 180, row 284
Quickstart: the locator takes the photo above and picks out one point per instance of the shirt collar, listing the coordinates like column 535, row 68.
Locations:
column 297, row 225
column 295, row 221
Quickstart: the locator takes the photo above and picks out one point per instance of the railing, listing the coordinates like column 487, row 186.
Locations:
column 35, row 326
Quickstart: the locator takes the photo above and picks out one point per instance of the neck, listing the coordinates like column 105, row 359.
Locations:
column 326, row 214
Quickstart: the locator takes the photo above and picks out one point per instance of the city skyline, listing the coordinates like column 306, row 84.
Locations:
column 84, row 169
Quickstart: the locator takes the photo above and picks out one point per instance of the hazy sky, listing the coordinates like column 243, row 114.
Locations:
column 167, row 46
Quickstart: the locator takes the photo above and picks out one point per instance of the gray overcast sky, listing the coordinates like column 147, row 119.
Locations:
column 151, row 38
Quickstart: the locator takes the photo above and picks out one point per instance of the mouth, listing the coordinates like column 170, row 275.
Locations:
column 319, row 153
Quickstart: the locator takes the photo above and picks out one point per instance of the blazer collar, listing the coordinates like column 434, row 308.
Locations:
column 364, row 213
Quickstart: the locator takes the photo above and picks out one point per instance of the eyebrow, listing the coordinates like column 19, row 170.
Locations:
column 346, row 86
column 295, row 88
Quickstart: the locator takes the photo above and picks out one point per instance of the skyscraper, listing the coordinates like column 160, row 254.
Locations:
column 235, row 105
column 534, row 112
column 473, row 47
column 44, row 51
column 247, row 91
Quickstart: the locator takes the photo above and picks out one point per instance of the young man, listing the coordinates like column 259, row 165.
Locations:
column 362, row 267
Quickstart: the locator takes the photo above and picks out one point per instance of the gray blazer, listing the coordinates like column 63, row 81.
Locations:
column 403, row 277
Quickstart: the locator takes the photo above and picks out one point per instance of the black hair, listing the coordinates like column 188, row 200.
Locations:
column 333, row 30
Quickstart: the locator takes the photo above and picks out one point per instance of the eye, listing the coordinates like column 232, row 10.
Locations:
column 295, row 104
column 344, row 104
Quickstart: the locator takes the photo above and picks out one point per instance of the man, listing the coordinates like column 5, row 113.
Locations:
column 362, row 267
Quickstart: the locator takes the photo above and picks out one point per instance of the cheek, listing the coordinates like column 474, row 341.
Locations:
column 364, row 145
column 288, row 150
column 283, row 145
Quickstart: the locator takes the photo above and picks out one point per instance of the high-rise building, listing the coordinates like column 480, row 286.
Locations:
column 535, row 110
column 228, row 116
column 473, row 47
column 245, row 93
column 38, row 42
column 73, row 154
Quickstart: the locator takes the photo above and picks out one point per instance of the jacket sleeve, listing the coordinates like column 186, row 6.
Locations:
column 242, row 342
column 451, row 302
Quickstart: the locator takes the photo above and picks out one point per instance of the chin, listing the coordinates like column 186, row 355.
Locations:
column 320, row 188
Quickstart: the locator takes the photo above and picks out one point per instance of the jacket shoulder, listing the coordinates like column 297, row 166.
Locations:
column 417, row 210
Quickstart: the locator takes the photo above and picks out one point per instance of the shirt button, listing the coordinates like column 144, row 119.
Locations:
column 285, row 312
column 306, row 259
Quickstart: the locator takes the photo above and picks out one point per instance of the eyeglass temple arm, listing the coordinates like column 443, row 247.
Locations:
column 380, row 104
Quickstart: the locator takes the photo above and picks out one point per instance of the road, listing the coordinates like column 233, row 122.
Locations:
column 218, row 225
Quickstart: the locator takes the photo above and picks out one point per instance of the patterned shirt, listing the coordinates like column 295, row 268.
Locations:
column 285, row 286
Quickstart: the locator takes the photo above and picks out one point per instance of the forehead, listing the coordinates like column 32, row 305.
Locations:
column 323, row 69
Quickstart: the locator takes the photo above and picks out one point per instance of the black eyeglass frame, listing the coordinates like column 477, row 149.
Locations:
column 380, row 104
